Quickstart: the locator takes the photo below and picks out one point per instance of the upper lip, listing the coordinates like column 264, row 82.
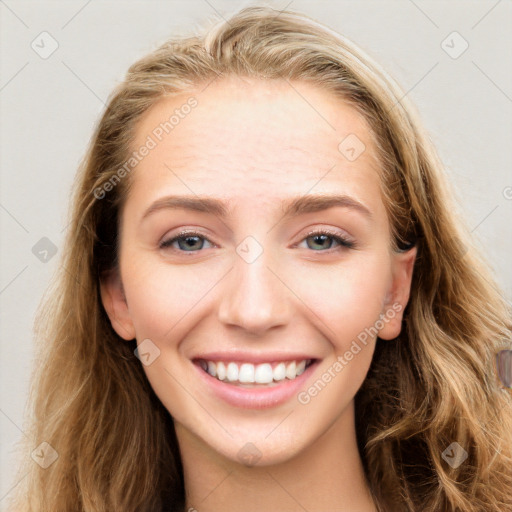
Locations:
column 247, row 357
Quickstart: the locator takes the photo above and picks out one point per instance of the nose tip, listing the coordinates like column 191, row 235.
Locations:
column 254, row 299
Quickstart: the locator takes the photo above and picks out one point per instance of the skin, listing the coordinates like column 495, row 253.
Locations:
column 254, row 143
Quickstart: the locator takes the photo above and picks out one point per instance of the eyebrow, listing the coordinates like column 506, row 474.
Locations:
column 292, row 207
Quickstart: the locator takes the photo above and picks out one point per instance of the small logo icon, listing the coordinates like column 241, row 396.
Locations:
column 455, row 455
column 454, row 45
column 44, row 45
column 44, row 250
column 249, row 454
column 249, row 249
column 45, row 455
column 504, row 364
column 351, row 147
column 147, row 352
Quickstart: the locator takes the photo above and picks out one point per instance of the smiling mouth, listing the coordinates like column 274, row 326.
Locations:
column 254, row 375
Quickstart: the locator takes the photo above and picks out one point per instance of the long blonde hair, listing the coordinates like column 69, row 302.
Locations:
column 432, row 386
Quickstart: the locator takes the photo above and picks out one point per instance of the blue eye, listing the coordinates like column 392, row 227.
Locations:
column 187, row 241
column 321, row 236
column 191, row 241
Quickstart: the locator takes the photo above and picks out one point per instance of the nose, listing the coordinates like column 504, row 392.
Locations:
column 255, row 297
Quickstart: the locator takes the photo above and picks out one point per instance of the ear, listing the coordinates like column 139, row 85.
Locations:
column 398, row 293
column 114, row 302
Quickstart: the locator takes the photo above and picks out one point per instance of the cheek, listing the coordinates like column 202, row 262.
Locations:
column 164, row 297
column 347, row 298
column 341, row 299
column 347, row 303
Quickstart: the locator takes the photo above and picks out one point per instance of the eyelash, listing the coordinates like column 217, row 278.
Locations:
column 344, row 243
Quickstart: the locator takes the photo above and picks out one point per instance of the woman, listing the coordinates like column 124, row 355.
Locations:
column 209, row 353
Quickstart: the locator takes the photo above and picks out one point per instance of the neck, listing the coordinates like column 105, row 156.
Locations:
column 326, row 475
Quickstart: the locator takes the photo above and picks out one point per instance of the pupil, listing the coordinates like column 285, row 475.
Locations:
column 189, row 241
column 318, row 237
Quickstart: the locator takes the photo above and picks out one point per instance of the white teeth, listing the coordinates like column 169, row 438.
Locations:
column 263, row 374
column 246, row 373
column 221, row 371
column 232, row 372
column 211, row 368
column 250, row 373
column 280, row 372
column 291, row 370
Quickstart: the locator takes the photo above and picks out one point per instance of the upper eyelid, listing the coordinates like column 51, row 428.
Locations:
column 327, row 231
column 190, row 232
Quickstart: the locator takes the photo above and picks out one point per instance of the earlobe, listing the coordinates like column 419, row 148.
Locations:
column 114, row 302
column 398, row 294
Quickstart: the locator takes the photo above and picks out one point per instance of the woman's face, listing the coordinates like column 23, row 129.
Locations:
column 251, row 291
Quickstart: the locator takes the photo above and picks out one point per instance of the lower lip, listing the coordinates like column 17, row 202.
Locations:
column 257, row 397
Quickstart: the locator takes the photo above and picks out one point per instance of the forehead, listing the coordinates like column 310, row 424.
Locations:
column 254, row 140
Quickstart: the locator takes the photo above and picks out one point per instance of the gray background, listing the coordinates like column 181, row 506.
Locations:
column 49, row 107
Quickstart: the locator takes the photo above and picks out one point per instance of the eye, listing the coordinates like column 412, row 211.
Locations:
column 320, row 239
column 192, row 241
column 188, row 241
